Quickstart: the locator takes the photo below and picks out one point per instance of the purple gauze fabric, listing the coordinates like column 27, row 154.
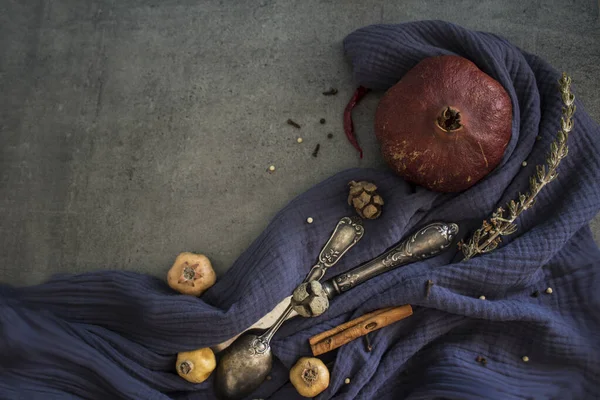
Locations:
column 113, row 335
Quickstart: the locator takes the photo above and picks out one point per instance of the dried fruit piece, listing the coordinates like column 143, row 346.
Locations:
column 196, row 366
column 364, row 198
column 191, row 274
column 309, row 376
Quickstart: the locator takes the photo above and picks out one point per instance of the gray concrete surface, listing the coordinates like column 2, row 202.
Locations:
column 132, row 130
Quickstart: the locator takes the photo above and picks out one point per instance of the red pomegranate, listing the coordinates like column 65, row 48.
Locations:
column 445, row 124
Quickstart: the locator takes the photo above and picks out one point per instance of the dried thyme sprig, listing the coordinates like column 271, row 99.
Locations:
column 489, row 236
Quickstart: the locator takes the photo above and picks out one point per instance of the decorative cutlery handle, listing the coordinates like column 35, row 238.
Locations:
column 425, row 243
column 345, row 235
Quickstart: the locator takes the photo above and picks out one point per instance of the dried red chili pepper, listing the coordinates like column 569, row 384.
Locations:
column 348, row 124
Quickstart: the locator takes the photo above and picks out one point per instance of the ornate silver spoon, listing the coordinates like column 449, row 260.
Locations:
column 247, row 362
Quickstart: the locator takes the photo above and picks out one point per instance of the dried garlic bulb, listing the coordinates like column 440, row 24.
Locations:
column 309, row 376
column 310, row 300
column 196, row 366
column 191, row 274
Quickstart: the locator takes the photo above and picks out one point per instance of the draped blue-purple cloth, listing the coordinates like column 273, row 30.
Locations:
column 114, row 334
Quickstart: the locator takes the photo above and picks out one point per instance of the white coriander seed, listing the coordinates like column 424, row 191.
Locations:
column 482, row 297
column 299, row 140
column 347, row 381
column 272, row 168
column 309, row 220
column 549, row 290
column 525, row 359
column 524, row 163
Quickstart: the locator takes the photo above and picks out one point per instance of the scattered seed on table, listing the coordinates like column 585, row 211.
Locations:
column 299, row 140
column 316, row 151
column 309, row 220
column 330, row 135
column 322, row 121
column 347, row 381
column 525, row 359
column 330, row 92
column 272, row 168
column 524, row 163
column 294, row 124
column 482, row 297
column 549, row 290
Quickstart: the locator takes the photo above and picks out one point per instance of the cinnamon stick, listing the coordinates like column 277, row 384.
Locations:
column 324, row 335
column 347, row 332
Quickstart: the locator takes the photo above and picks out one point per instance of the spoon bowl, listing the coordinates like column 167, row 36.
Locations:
column 243, row 367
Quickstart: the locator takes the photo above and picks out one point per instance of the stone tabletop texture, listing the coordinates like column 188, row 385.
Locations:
column 133, row 130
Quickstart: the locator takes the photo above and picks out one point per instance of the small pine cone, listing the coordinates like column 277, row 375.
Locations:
column 364, row 198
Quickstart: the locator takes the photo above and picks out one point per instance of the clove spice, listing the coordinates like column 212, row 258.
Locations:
column 428, row 286
column 368, row 346
column 316, row 151
column 293, row 123
column 330, row 92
